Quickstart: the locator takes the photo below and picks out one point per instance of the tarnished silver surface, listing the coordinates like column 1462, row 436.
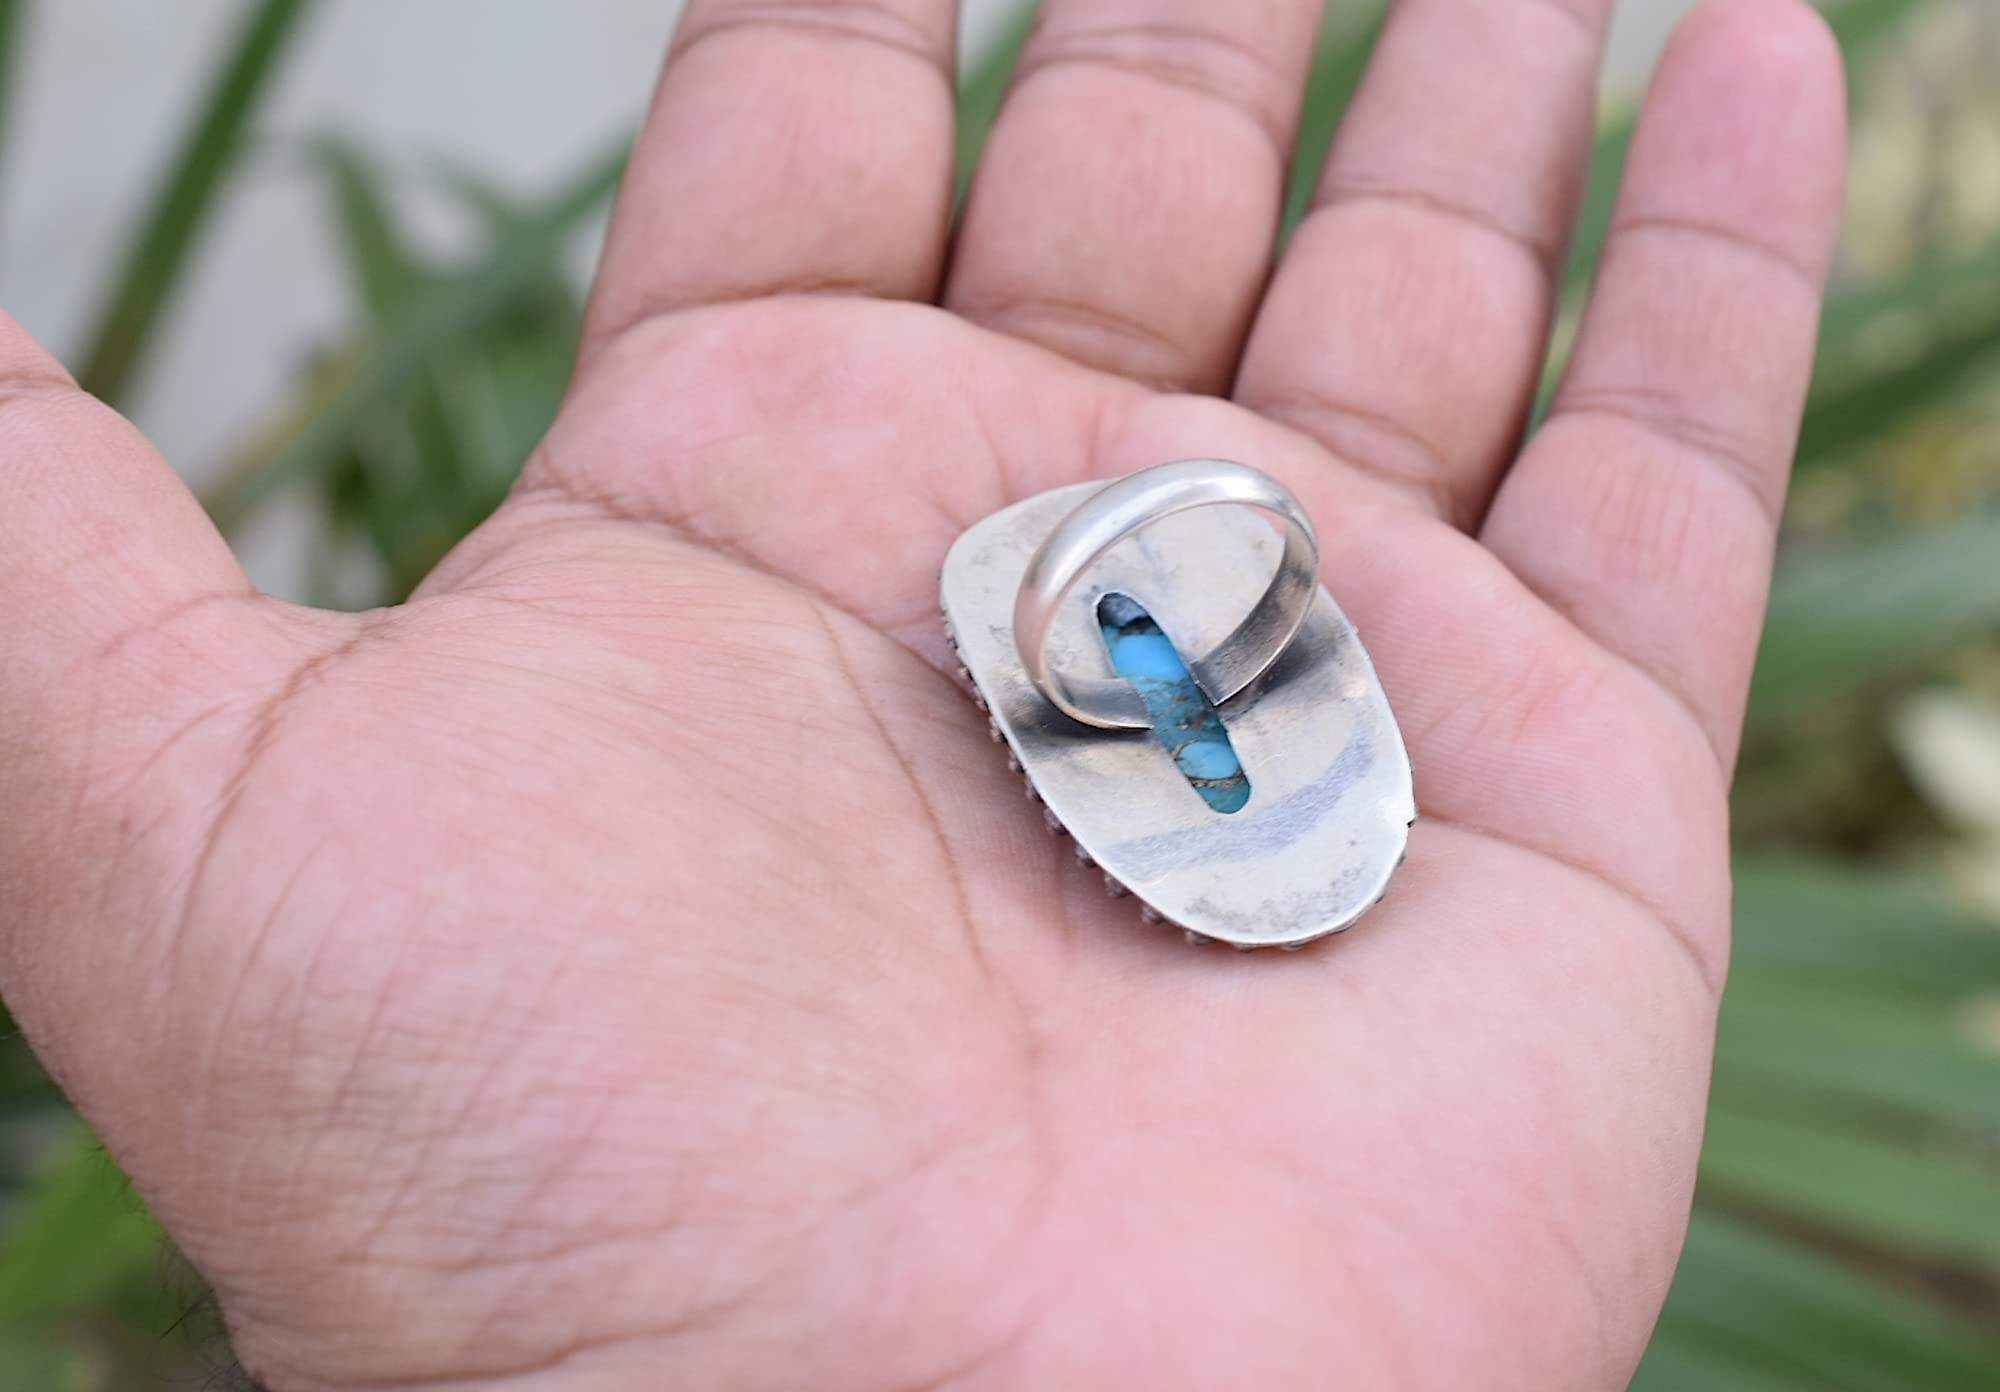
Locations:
column 1331, row 801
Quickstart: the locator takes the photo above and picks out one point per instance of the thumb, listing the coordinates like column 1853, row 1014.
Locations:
column 99, row 538
column 118, row 600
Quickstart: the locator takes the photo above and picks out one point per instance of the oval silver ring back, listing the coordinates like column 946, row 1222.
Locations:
column 1321, row 800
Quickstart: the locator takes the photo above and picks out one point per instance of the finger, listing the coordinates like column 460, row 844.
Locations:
column 794, row 146
column 1407, row 322
column 1124, row 211
column 99, row 538
column 1647, row 506
column 114, row 594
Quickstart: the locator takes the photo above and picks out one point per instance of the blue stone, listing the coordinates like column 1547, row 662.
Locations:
column 1147, row 655
column 1184, row 722
column 1203, row 759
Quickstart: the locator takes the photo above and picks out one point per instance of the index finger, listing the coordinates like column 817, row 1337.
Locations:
column 795, row 146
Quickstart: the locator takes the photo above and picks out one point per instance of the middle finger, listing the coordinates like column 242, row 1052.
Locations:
column 1124, row 212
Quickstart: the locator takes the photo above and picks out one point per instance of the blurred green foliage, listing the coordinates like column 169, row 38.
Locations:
column 1847, row 1233
column 167, row 232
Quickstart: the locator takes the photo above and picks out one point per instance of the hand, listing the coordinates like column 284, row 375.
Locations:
column 628, row 964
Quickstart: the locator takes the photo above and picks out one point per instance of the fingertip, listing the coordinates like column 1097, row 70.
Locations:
column 1747, row 119
column 1795, row 24
column 98, row 534
column 1748, row 54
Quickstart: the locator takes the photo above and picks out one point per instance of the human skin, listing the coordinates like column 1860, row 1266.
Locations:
column 629, row 965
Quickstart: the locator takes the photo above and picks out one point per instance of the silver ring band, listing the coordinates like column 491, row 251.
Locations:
column 1115, row 512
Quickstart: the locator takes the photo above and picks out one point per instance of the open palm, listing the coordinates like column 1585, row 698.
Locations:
column 628, row 964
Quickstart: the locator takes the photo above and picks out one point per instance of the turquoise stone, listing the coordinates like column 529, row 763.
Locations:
column 1184, row 721
column 1150, row 656
column 1202, row 759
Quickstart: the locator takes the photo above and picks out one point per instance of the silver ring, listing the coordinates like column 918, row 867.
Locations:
column 1115, row 512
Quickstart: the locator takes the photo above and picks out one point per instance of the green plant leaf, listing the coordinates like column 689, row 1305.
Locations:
column 1346, row 43
column 22, row 1078
column 1846, row 414
column 504, row 397
column 372, row 376
column 1743, row 1290
column 10, row 38
column 37, row 1363
column 1681, row 1358
column 1859, row 24
column 1810, row 919
column 1853, row 1043
column 480, row 193
column 1891, row 350
column 380, row 265
column 166, row 235
column 1935, row 291
column 982, row 88
column 1937, row 1204
column 77, row 1236
column 1846, row 613
column 1600, row 197
column 405, row 479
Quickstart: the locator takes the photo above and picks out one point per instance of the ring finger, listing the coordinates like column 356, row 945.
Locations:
column 1408, row 320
